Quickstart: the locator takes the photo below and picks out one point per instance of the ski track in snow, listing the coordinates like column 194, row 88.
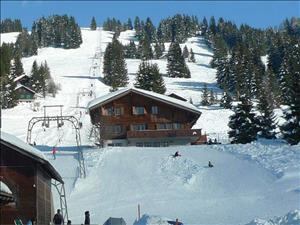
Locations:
column 248, row 181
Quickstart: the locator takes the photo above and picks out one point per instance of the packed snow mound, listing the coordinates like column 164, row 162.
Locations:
column 127, row 36
column 119, row 178
column 151, row 220
column 180, row 170
column 9, row 37
column 291, row 218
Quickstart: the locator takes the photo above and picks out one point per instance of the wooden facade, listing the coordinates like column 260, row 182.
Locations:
column 29, row 179
column 25, row 94
column 137, row 119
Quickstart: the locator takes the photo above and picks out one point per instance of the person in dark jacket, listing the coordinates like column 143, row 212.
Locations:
column 58, row 218
column 87, row 218
column 176, row 154
column 210, row 164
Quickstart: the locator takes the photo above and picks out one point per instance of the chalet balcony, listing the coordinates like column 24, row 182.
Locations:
column 193, row 133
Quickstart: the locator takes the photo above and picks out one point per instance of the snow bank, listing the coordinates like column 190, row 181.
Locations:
column 9, row 37
column 152, row 220
column 291, row 218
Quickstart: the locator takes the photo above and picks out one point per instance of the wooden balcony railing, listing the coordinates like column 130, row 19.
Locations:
column 164, row 133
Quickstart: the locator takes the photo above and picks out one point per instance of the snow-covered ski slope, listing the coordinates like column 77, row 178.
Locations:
column 248, row 181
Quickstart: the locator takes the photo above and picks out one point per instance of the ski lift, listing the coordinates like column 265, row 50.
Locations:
column 60, row 123
column 46, row 123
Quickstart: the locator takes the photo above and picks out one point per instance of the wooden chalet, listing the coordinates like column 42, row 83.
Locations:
column 25, row 93
column 136, row 117
column 27, row 175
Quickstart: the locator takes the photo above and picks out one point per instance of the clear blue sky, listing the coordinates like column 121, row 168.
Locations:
column 260, row 14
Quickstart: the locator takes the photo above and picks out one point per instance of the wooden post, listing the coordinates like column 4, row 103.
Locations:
column 139, row 212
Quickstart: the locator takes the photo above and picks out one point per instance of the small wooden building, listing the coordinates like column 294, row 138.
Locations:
column 137, row 117
column 25, row 93
column 27, row 174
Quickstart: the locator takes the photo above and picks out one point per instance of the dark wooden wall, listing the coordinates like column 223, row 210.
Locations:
column 30, row 187
column 166, row 114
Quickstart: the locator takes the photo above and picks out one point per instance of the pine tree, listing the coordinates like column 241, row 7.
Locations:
column 212, row 99
column 267, row 118
column 243, row 123
column 158, row 50
column 204, row 26
column 291, row 128
column 144, row 49
column 129, row 24
column 192, row 56
column 44, row 75
column 149, row 78
column 185, row 52
column 18, row 66
column 9, row 96
column 35, row 80
column 114, row 65
column 93, row 25
column 205, row 101
column 176, row 64
column 220, row 51
column 130, row 51
column 226, row 101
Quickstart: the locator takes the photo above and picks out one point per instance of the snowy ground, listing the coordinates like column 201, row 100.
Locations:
column 249, row 181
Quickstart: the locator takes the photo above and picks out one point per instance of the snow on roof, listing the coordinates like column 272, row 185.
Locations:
column 21, row 144
column 21, row 85
column 4, row 188
column 20, row 77
column 122, row 92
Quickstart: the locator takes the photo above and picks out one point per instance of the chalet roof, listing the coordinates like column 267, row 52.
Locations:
column 20, row 77
column 23, row 148
column 23, row 86
column 159, row 97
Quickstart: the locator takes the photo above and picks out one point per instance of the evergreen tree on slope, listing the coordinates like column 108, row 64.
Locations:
column 243, row 123
column 176, row 64
column 149, row 78
column 93, row 25
column 114, row 65
column 291, row 129
column 226, row 101
column 266, row 119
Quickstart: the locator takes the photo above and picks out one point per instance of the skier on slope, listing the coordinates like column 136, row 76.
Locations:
column 210, row 165
column 54, row 150
column 176, row 154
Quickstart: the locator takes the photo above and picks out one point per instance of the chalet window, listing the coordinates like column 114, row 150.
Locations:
column 177, row 126
column 164, row 126
column 154, row 110
column 138, row 127
column 115, row 129
column 118, row 111
column 110, row 111
column 138, row 110
column 139, row 144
